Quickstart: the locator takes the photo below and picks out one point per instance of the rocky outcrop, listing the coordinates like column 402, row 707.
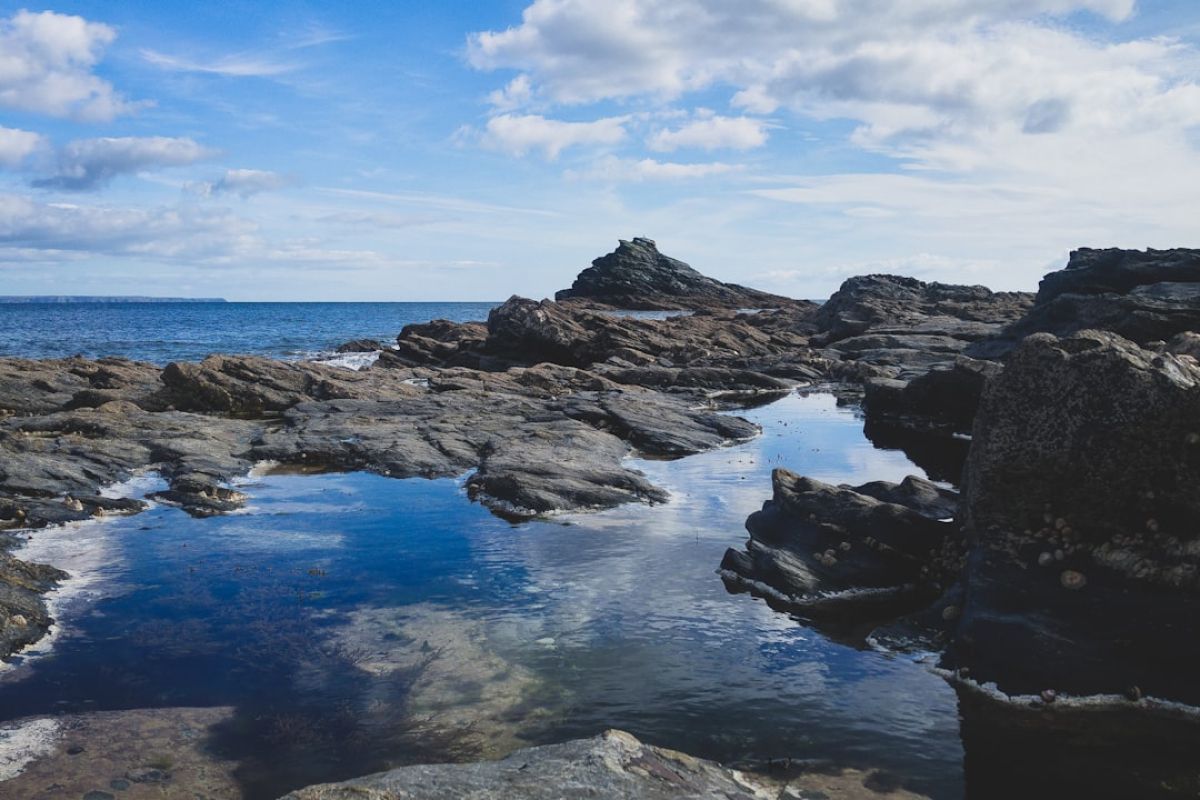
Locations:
column 637, row 276
column 253, row 385
column 23, row 615
column 1144, row 296
column 613, row 764
column 941, row 402
column 1082, row 506
column 42, row 386
column 846, row 550
column 898, row 304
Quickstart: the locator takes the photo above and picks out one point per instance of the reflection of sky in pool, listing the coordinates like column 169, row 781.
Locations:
column 356, row 622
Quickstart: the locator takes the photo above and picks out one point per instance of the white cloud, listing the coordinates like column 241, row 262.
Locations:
column 519, row 134
column 32, row 231
column 582, row 51
column 46, row 62
column 245, row 182
column 90, row 163
column 239, row 65
column 712, row 133
column 611, row 168
column 31, row 226
column 17, row 145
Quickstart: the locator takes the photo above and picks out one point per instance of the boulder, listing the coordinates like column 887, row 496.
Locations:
column 1082, row 511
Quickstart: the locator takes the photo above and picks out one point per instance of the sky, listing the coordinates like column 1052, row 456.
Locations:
column 470, row 150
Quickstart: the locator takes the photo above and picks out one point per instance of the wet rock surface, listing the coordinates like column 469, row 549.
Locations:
column 637, row 276
column 614, row 764
column 836, row 550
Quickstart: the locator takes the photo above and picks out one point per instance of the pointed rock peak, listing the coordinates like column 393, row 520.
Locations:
column 637, row 276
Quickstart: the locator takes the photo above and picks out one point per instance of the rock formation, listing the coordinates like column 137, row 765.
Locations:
column 637, row 276
column 613, row 764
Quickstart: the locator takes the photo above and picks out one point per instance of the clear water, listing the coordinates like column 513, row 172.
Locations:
column 356, row 622
column 165, row 332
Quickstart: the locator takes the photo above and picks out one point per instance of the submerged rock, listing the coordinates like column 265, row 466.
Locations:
column 613, row 764
column 637, row 276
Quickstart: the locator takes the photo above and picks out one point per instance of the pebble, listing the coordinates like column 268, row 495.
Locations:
column 1049, row 696
column 1059, row 555
column 1133, row 693
column 98, row 795
column 1072, row 579
column 1045, row 559
column 950, row 613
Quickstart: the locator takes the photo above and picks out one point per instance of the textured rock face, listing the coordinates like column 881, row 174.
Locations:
column 611, row 765
column 637, row 276
column 1144, row 296
column 1116, row 271
column 23, row 617
column 838, row 549
column 1082, row 507
column 873, row 301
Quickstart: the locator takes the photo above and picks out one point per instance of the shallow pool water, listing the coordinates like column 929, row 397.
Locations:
column 354, row 622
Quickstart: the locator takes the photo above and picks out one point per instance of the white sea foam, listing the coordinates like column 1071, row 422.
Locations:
column 23, row 742
column 354, row 361
column 88, row 553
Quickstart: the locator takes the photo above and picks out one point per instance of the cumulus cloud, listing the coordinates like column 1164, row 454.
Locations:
column 244, row 182
column 46, row 62
column 612, row 168
column 90, row 163
column 32, row 231
column 1009, row 131
column 31, row 226
column 581, row 51
column 712, row 133
column 17, row 145
column 520, row 134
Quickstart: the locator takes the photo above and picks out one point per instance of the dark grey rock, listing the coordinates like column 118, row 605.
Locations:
column 637, row 276
column 611, row 765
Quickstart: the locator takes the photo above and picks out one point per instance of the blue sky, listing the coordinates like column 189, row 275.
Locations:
column 453, row 150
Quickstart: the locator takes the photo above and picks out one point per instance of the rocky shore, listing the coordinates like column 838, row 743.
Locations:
column 1053, row 565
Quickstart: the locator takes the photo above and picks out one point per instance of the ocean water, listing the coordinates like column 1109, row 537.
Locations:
column 165, row 332
column 352, row 623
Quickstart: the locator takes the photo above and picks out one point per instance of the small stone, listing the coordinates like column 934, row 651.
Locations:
column 19, row 620
column 120, row 784
column 845, row 546
column 1059, row 555
column 1049, row 696
column 1045, row 559
column 950, row 613
column 1060, row 523
column 1152, row 525
column 96, row 794
column 1133, row 694
column 75, row 749
column 1072, row 579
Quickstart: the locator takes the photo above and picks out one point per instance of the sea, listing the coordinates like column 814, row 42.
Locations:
column 162, row 332
column 348, row 623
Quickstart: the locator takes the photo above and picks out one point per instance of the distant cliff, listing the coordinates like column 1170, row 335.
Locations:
column 83, row 298
column 637, row 276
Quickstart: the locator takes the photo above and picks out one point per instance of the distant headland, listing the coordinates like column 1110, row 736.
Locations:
column 84, row 298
